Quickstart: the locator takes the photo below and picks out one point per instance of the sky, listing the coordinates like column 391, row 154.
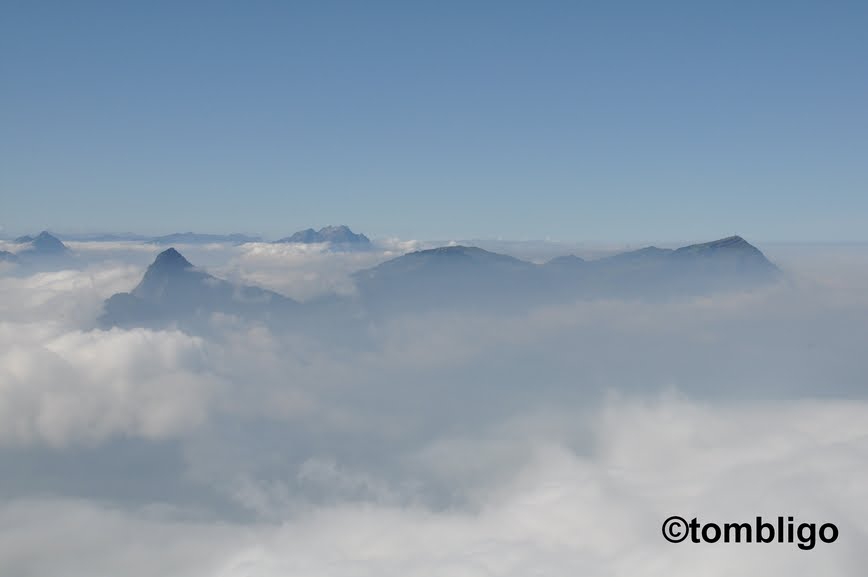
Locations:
column 611, row 121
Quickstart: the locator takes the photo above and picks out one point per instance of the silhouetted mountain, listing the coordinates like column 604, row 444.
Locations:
column 172, row 289
column 460, row 276
column 44, row 244
column 447, row 278
column 196, row 238
column 643, row 255
column 450, row 276
column 340, row 235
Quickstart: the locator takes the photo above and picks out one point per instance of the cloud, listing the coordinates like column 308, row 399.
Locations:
column 74, row 387
column 551, row 441
column 562, row 511
column 305, row 271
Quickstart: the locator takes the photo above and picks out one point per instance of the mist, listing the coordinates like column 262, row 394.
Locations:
column 549, row 438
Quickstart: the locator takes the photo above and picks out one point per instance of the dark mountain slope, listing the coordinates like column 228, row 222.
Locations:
column 172, row 289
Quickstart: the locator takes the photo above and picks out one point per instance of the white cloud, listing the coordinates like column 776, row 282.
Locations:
column 74, row 387
column 536, row 443
column 561, row 512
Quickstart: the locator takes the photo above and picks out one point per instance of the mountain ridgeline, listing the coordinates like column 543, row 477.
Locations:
column 450, row 278
column 341, row 236
column 462, row 276
column 41, row 252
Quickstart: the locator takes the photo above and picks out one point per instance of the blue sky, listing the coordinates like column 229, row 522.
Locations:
column 605, row 121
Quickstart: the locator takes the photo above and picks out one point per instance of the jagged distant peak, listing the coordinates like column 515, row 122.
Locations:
column 336, row 234
column 332, row 229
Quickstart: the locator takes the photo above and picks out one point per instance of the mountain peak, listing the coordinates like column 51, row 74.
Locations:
column 332, row 229
column 340, row 234
column 170, row 267
column 730, row 241
column 44, row 243
column 170, row 259
column 452, row 255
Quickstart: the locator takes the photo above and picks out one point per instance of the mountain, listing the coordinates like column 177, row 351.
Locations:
column 568, row 261
column 451, row 278
column 106, row 237
column 44, row 244
column 172, row 289
column 445, row 277
column 470, row 277
column 6, row 256
column 197, row 238
column 339, row 235
column 306, row 236
column 727, row 264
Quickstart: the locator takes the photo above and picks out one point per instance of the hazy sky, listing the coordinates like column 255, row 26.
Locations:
column 570, row 120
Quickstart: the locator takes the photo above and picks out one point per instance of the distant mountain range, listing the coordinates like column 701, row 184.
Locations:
column 174, row 238
column 338, row 235
column 197, row 238
column 341, row 236
column 470, row 277
column 450, row 278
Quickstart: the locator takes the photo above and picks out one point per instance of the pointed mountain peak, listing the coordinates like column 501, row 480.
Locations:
column 43, row 243
column 170, row 259
column 169, row 268
column 45, row 235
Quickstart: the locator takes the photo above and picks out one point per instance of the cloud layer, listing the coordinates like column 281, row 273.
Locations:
column 549, row 441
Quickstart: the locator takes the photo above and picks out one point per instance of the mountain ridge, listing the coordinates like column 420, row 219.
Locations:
column 455, row 277
column 339, row 235
column 43, row 244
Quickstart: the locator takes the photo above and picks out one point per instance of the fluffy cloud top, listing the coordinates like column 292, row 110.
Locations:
column 552, row 441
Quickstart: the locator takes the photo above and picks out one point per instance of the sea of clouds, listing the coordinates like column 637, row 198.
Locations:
column 553, row 441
